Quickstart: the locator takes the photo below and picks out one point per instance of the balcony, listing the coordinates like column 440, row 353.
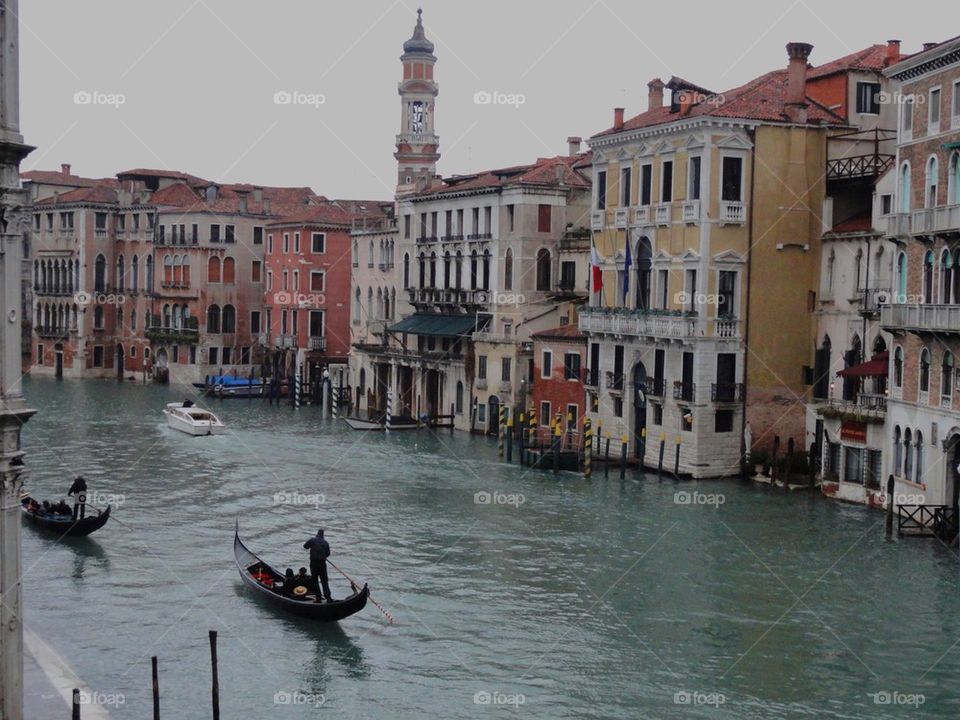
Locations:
column 656, row 324
column 615, row 382
column 685, row 391
column 655, row 387
column 732, row 213
column 591, row 378
column 867, row 406
column 871, row 300
column 100, row 233
column 620, row 218
column 480, row 383
column 318, row 342
column 898, row 225
column 662, row 214
column 921, row 318
column 691, row 212
column 598, row 219
column 925, row 222
column 285, row 341
column 505, row 388
column 55, row 333
column 726, row 327
column 448, row 296
column 726, row 392
column 641, row 215
column 180, row 335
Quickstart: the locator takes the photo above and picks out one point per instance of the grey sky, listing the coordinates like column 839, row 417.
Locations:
column 198, row 77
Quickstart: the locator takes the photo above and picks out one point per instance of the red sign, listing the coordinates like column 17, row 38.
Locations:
column 854, row 432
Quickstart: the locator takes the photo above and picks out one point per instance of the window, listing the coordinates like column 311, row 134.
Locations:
column 571, row 366
column 257, row 235
column 726, row 294
column 505, row 370
column 925, row 371
column 933, row 118
column 666, row 181
column 98, row 356
column 318, row 243
column 296, row 243
column 255, row 322
column 693, row 178
column 546, row 366
column 214, row 356
column 406, row 270
column 946, row 375
column 646, row 184
column 213, row 270
column 933, row 171
column 601, row 190
column 286, row 243
column 213, row 319
column 868, row 98
column 663, row 285
column 853, row 465
column 458, row 404
column 509, row 218
column 270, row 244
column 955, row 110
column 256, row 271
column 886, row 203
column 508, row 269
column 230, row 234
column 317, row 281
column 898, row 367
column 543, row 218
column 723, row 421
column 481, row 367
column 214, row 233
column 544, row 263
column 906, row 119
column 229, row 271
column 545, row 413
column 625, row 189
column 406, row 226
column 732, row 179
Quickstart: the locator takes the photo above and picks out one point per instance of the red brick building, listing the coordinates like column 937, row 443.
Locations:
column 559, row 359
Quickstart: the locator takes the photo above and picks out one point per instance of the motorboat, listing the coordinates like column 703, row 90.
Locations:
column 192, row 420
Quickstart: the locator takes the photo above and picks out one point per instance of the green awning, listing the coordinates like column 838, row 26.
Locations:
column 951, row 145
column 440, row 325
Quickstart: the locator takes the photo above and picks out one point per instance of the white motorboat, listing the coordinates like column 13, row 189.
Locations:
column 188, row 418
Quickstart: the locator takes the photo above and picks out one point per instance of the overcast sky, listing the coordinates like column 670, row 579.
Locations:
column 190, row 84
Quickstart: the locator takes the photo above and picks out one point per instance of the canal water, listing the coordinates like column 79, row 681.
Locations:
column 513, row 590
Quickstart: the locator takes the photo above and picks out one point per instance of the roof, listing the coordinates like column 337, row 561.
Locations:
column 418, row 43
column 58, row 177
column 140, row 173
column 439, row 325
column 858, row 223
column 97, row 194
column 763, row 99
column 877, row 366
column 283, row 201
column 870, row 59
column 327, row 214
column 544, row 171
column 569, row 331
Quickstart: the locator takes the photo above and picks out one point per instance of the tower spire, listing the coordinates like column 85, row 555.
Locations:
column 417, row 144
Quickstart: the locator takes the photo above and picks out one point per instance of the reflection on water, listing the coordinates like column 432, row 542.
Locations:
column 593, row 598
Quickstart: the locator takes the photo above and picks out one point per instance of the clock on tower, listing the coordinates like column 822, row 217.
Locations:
column 417, row 145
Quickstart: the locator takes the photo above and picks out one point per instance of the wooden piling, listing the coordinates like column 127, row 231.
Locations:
column 891, row 483
column 663, row 445
column 521, row 436
column 774, row 470
column 76, row 704
column 215, row 687
column 502, row 431
column 606, row 459
column 676, row 460
column 587, row 448
column 623, row 456
column 453, row 412
column 509, row 432
column 557, row 440
column 156, row 688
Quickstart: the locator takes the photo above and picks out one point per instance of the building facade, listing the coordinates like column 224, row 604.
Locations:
column 559, row 366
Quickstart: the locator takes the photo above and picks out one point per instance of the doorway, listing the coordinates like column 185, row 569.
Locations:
column 493, row 415
column 58, row 360
column 119, row 361
column 639, row 410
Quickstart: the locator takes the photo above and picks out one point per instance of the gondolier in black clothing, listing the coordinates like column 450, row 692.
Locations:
column 319, row 552
column 79, row 489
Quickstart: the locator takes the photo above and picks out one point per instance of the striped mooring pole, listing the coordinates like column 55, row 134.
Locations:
column 389, row 409
column 533, row 428
column 333, row 400
column 587, row 448
column 503, row 430
column 297, row 386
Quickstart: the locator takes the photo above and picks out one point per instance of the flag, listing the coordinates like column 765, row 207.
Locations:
column 596, row 282
column 627, row 262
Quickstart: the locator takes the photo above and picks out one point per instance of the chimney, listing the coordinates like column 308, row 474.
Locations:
column 560, row 170
column 796, row 100
column 929, row 45
column 655, row 94
column 573, row 145
column 617, row 118
column 65, row 168
column 893, row 52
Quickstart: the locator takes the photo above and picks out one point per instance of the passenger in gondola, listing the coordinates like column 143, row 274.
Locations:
column 319, row 552
column 47, row 510
column 288, row 582
column 79, row 489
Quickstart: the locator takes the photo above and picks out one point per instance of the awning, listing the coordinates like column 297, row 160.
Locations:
column 440, row 325
column 877, row 366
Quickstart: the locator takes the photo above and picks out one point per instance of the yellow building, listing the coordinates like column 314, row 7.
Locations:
column 707, row 222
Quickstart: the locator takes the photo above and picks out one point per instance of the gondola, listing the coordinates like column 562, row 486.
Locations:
column 64, row 524
column 263, row 581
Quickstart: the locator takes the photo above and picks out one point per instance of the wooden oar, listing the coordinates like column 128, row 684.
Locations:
column 357, row 585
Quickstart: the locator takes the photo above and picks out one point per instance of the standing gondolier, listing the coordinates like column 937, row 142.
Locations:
column 319, row 552
column 79, row 490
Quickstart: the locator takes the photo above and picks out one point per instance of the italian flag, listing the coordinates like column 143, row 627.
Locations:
column 596, row 282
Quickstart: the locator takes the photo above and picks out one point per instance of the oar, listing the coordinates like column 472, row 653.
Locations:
column 356, row 585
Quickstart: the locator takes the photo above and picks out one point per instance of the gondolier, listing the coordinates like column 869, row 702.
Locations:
column 79, row 491
column 319, row 552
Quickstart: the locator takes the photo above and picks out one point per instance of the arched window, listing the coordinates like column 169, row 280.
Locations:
column 898, row 367
column 446, row 269
column 458, row 399
column 213, row 319
column 213, row 269
column 543, row 269
column 175, row 316
column 901, row 278
column 229, row 271
column 393, row 303
column 458, row 271
column 928, row 263
column 356, row 306
column 508, row 270
column 918, row 469
column 97, row 317
column 370, row 255
column 177, row 270
column 166, row 316
column 946, row 277
column 387, row 305
column 932, row 175
column 946, row 375
column 379, row 315
column 167, row 270
column 924, row 370
column 119, row 318
column 953, row 182
column 486, row 269
column 905, row 188
column 229, row 319
column 644, row 273
column 433, row 269
column 135, row 273
column 149, row 273
column 406, row 270
column 100, row 274
column 363, row 379
column 423, row 270
column 908, row 454
column 897, row 451
column 369, row 301
column 185, row 270
column 831, row 261
column 356, row 253
column 120, row 271
column 474, row 270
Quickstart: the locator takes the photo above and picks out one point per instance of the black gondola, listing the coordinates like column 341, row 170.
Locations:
column 63, row 524
column 263, row 579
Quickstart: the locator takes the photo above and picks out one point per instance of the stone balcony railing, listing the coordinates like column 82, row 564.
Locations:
column 641, row 215
column 318, row 342
column 655, row 323
column 925, row 221
column 621, row 217
column 662, row 214
column 866, row 405
column 732, row 213
column 598, row 219
column 691, row 211
column 921, row 318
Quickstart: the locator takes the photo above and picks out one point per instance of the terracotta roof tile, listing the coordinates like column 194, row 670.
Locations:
column 569, row 331
column 56, row 177
column 96, row 194
column 873, row 58
column 542, row 172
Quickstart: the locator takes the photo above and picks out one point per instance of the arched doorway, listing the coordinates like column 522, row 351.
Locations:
column 119, row 361
column 952, row 484
column 639, row 409
column 493, row 415
column 58, row 360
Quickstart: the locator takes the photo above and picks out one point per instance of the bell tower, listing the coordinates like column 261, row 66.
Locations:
column 417, row 144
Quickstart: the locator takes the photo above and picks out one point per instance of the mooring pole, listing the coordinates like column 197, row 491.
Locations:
column 156, row 688
column 510, row 436
column 676, row 461
column 557, row 440
column 521, row 437
column 891, row 483
column 606, row 459
column 453, row 414
column 389, row 410
column 215, row 688
column 502, row 431
column 623, row 456
column 75, row 715
column 774, row 470
column 587, row 448
column 663, row 444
